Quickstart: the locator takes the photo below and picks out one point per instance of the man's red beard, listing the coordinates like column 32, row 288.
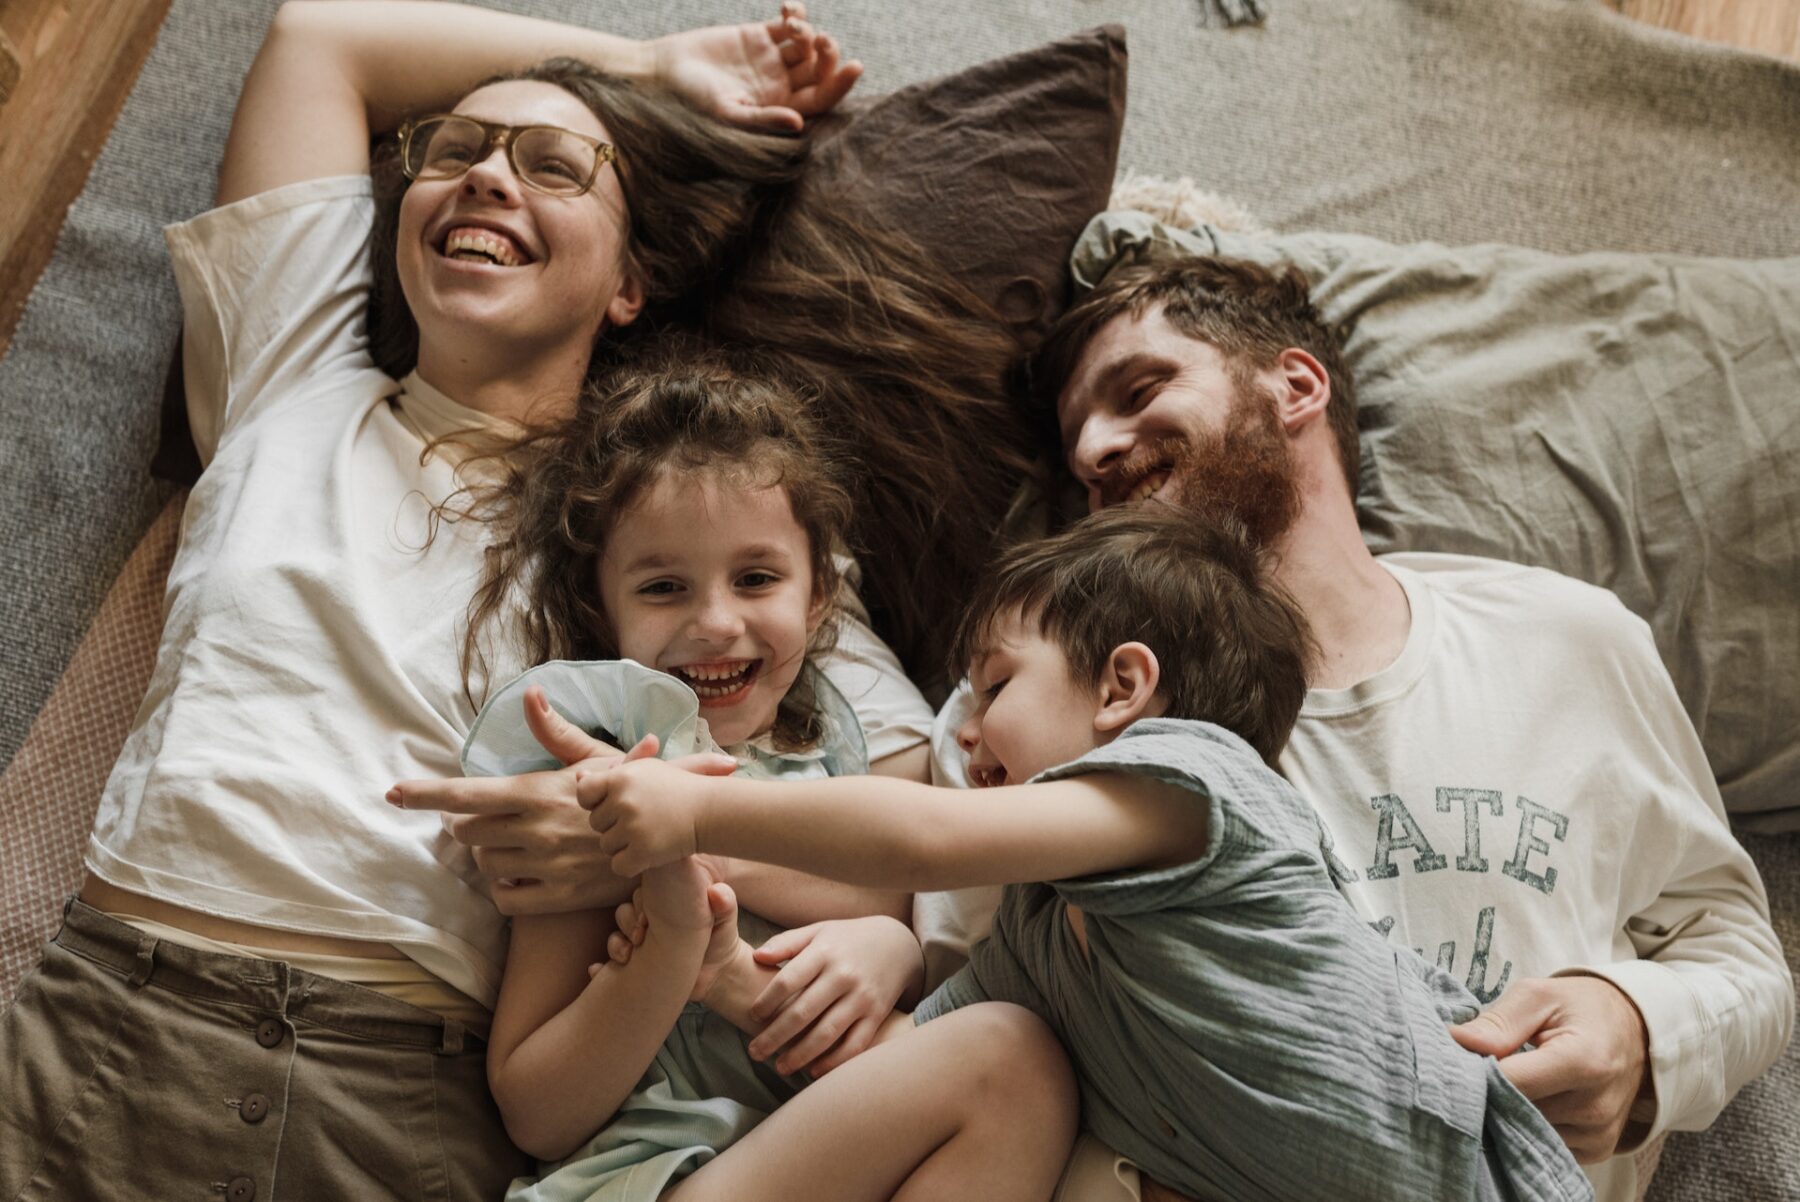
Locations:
column 1246, row 470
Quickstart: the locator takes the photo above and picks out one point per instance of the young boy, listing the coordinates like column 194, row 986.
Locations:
column 1235, row 1028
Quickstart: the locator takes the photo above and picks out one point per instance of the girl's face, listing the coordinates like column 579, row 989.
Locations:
column 711, row 581
column 559, row 275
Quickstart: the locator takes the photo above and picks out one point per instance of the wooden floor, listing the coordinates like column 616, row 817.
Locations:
column 66, row 67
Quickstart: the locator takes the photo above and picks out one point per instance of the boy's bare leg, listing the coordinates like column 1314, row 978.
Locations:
column 978, row 1104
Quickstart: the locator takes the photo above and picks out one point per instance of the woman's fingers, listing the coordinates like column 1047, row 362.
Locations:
column 786, row 945
column 796, row 975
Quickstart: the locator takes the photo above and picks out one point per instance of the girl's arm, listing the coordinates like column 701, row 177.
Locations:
column 896, row 834
column 565, row 1050
column 331, row 74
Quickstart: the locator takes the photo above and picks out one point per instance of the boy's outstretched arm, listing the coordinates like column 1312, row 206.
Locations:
column 896, row 834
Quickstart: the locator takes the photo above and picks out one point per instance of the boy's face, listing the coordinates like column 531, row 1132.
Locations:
column 1030, row 713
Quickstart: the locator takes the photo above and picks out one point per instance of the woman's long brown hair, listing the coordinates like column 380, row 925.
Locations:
column 910, row 371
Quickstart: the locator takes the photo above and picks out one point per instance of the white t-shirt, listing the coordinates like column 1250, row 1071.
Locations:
column 1521, row 794
column 310, row 654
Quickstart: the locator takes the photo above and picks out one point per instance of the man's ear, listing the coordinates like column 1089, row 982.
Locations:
column 627, row 302
column 1128, row 685
column 1302, row 389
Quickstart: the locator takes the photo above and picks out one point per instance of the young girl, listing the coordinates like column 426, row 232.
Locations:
column 697, row 568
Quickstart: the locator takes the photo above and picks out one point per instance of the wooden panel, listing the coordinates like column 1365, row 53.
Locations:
column 77, row 61
column 1770, row 26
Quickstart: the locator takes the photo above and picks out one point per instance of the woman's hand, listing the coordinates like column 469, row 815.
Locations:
column 528, row 834
column 770, row 75
column 841, row 980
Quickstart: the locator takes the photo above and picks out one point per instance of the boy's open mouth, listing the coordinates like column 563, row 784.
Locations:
column 986, row 776
column 720, row 681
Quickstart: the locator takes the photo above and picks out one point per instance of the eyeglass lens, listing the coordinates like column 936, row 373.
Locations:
column 549, row 159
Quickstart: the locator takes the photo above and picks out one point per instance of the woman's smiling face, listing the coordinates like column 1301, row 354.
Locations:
column 553, row 272
column 710, row 580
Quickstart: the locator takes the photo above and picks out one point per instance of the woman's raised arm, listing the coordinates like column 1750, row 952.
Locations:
column 329, row 75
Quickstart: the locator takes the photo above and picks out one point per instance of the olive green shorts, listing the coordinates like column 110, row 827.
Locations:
column 132, row 1068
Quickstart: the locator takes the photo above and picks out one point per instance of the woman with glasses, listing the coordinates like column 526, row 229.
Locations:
column 274, row 984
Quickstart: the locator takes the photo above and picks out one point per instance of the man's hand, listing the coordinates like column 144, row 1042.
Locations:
column 769, row 75
column 1589, row 1063
column 839, row 983
column 646, row 812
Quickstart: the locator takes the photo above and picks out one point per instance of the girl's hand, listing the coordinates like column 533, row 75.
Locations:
column 628, row 934
column 723, row 942
column 646, row 811
column 770, row 75
column 841, row 981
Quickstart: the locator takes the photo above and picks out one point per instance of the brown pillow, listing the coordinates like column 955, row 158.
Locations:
column 993, row 171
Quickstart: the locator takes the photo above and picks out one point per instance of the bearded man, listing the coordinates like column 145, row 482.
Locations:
column 1504, row 773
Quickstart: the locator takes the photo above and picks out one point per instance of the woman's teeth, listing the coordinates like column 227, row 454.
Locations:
column 481, row 246
column 1147, row 487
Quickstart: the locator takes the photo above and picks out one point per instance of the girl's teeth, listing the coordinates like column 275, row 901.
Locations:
column 718, row 681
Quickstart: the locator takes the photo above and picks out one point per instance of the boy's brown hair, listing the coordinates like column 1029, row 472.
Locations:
column 1186, row 583
column 1248, row 312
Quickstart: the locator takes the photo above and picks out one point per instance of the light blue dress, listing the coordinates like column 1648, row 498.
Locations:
column 1238, row 1031
column 703, row 1092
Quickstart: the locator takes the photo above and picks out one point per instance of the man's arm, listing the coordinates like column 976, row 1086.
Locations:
column 896, row 834
column 1708, row 1004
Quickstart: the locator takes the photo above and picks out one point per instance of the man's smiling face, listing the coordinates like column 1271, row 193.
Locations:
column 1141, row 393
column 1152, row 414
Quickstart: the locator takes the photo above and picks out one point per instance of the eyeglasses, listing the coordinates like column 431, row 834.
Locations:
column 560, row 162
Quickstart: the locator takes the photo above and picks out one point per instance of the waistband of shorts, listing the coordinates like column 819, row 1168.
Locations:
column 269, row 986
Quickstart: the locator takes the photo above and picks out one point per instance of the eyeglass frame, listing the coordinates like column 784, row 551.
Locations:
column 507, row 135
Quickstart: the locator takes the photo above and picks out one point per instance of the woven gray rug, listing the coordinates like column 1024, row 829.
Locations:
column 1549, row 123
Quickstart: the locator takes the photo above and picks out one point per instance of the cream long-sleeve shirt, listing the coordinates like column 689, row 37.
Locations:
column 1520, row 794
